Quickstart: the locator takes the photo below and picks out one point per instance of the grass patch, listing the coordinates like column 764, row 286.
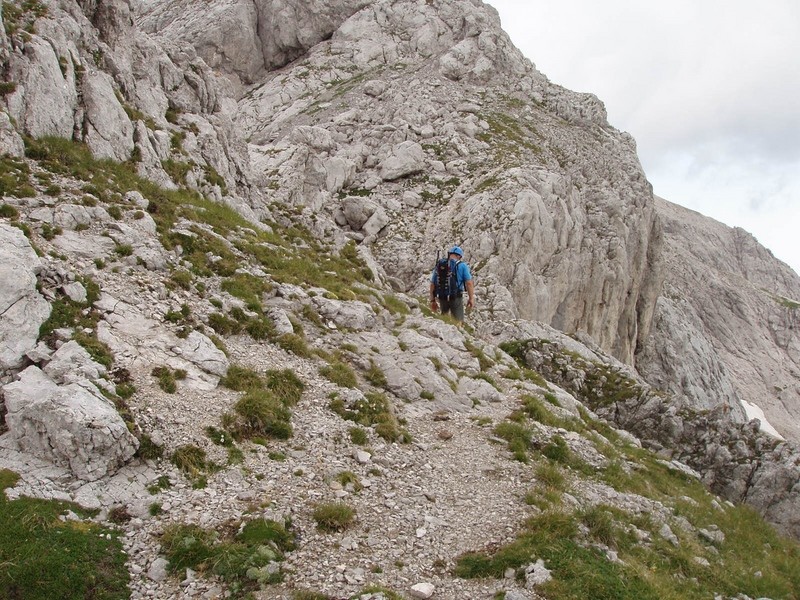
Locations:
column 168, row 378
column 334, row 516
column 349, row 478
column 286, row 386
column 752, row 560
column 340, row 373
column 372, row 409
column 358, row 436
column 192, row 461
column 518, row 437
column 259, row 414
column 43, row 557
column 289, row 253
column 242, row 379
column 246, row 287
column 375, row 375
column 395, row 305
column 246, row 561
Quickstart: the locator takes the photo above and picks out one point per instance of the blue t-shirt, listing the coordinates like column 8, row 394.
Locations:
column 462, row 274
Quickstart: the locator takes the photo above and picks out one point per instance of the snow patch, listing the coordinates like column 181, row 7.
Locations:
column 755, row 412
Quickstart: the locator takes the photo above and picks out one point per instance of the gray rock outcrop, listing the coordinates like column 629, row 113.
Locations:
column 359, row 137
column 69, row 425
column 86, row 70
column 22, row 308
column 726, row 325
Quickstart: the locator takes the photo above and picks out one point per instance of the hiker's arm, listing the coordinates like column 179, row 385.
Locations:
column 434, row 305
column 470, row 285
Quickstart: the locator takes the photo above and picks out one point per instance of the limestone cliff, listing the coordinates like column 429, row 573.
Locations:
column 353, row 140
column 726, row 325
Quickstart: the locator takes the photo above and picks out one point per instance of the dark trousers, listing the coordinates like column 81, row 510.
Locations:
column 453, row 305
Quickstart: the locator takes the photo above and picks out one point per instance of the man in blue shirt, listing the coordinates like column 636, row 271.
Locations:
column 451, row 294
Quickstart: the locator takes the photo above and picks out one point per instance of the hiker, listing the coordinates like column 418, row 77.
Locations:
column 450, row 278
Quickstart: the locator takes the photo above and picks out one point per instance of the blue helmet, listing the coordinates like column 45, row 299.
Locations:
column 456, row 250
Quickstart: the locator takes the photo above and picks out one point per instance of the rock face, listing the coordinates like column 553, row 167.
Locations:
column 733, row 458
column 374, row 132
column 726, row 325
column 245, row 40
column 71, row 425
column 487, row 152
column 22, row 308
column 87, row 72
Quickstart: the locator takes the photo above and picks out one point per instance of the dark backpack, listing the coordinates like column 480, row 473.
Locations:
column 446, row 278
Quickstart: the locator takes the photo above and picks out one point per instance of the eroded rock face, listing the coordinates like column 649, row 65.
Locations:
column 406, row 126
column 88, row 73
column 22, row 308
column 452, row 136
column 71, row 425
column 247, row 39
column 727, row 326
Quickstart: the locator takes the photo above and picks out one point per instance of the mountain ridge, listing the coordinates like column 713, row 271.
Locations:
column 293, row 228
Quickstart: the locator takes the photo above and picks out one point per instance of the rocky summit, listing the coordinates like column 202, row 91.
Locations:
column 217, row 361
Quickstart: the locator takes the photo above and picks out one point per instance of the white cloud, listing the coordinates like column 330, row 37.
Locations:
column 709, row 90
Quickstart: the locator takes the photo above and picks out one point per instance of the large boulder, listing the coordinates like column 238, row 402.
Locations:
column 22, row 307
column 69, row 425
column 405, row 158
column 71, row 363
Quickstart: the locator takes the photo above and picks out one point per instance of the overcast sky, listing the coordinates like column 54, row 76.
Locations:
column 710, row 90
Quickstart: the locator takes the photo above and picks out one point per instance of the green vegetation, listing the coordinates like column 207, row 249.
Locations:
column 168, row 378
column 509, row 137
column 80, row 317
column 651, row 567
column 243, row 560
column 286, row 386
column 309, row 595
column 241, row 379
column 15, row 178
column 246, row 287
column 21, row 15
column 264, row 410
column 44, row 557
column 394, row 305
column 484, row 361
column 349, row 478
column 192, row 461
column 372, row 410
column 656, row 569
column 288, row 253
column 358, row 436
column 160, row 484
column 9, row 212
column 340, row 373
column 785, row 302
column 375, row 375
column 518, row 437
column 603, row 385
column 259, row 413
column 334, row 516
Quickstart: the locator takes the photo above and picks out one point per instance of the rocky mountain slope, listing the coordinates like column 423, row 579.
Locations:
column 221, row 325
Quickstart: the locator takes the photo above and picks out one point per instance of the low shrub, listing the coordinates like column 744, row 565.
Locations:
column 242, row 379
column 244, row 561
